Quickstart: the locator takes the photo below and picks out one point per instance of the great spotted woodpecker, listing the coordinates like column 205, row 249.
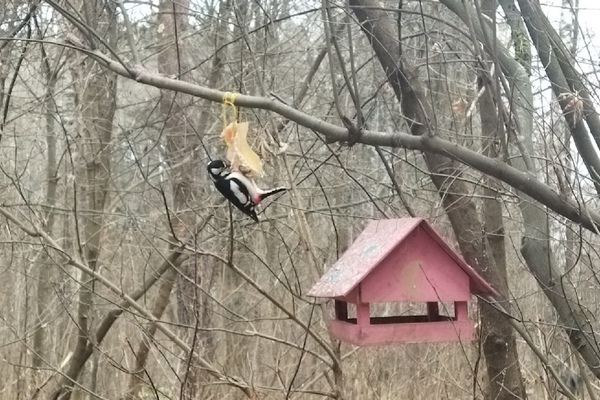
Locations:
column 240, row 190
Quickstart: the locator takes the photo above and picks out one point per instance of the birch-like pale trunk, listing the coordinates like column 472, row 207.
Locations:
column 97, row 93
column 44, row 272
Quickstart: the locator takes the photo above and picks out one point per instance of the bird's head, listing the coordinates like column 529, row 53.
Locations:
column 216, row 168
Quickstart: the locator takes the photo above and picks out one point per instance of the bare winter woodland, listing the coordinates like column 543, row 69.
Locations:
column 124, row 275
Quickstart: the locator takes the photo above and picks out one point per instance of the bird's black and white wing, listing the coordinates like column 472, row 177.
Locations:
column 238, row 194
column 240, row 190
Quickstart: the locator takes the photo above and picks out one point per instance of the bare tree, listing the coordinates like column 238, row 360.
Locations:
column 181, row 142
column 125, row 275
column 97, row 91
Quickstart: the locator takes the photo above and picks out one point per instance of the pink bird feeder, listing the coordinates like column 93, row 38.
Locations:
column 401, row 260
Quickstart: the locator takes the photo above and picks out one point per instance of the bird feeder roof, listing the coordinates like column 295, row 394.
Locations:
column 373, row 245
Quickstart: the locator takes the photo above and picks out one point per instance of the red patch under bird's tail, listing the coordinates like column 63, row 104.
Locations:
column 266, row 193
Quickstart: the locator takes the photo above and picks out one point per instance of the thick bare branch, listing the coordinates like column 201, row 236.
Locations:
column 556, row 63
column 522, row 181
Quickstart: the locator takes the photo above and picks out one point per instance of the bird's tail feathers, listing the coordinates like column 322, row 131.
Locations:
column 266, row 193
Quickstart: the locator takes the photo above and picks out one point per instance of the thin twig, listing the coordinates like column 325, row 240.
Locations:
column 25, row 21
column 536, row 350
column 129, row 33
column 13, row 81
column 273, row 301
column 38, row 232
column 395, row 183
column 520, row 180
column 89, row 33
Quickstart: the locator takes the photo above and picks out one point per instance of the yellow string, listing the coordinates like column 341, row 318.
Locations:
column 228, row 100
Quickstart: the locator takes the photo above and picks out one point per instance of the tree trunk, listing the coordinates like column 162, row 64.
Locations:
column 181, row 142
column 494, row 348
column 535, row 243
column 97, row 104
column 499, row 343
column 141, row 356
column 44, row 273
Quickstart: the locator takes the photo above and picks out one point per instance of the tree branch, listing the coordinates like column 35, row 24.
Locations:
column 539, row 29
column 521, row 181
column 38, row 232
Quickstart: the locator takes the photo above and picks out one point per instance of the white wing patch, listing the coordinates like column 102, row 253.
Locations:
column 249, row 183
column 235, row 189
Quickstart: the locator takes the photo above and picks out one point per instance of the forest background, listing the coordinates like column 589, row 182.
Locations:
column 123, row 276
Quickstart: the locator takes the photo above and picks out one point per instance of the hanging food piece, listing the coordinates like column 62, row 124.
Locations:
column 237, row 185
column 239, row 152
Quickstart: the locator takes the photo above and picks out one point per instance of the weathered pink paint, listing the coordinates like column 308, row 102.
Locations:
column 399, row 331
column 461, row 311
column 400, row 260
